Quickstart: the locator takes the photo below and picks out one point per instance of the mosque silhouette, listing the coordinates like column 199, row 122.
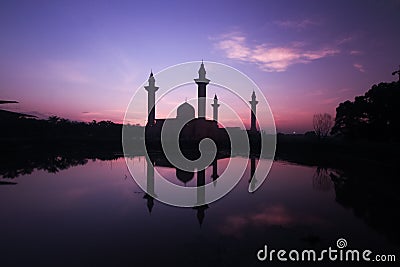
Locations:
column 192, row 130
column 185, row 177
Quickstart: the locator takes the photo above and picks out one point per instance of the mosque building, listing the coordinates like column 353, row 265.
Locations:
column 193, row 129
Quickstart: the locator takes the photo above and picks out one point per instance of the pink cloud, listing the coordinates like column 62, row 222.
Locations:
column 234, row 226
column 269, row 58
column 295, row 24
column 68, row 71
column 359, row 67
column 274, row 215
column 330, row 100
column 345, row 40
column 355, row 52
column 269, row 216
column 234, row 46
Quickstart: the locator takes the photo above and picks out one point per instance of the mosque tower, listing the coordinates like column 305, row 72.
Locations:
column 253, row 103
column 201, row 82
column 215, row 106
column 151, row 108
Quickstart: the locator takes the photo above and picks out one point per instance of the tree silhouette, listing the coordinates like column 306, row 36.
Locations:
column 397, row 72
column 373, row 115
column 322, row 124
column 321, row 179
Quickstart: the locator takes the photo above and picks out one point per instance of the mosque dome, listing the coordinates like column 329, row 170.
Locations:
column 185, row 111
column 184, row 176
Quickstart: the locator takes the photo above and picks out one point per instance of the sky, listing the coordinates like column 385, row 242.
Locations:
column 83, row 60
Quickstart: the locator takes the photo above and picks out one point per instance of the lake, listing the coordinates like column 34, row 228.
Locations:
column 92, row 213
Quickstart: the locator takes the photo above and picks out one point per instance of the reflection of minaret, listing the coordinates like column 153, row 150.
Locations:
column 253, row 103
column 215, row 171
column 253, row 179
column 201, row 196
column 149, row 185
column 201, row 190
column 150, row 202
column 184, row 176
column 202, row 82
column 151, row 98
column 215, row 106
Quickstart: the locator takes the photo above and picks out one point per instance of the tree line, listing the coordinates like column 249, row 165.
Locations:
column 56, row 128
column 372, row 116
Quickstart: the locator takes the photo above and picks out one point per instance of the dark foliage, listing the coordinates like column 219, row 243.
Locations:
column 373, row 116
column 59, row 129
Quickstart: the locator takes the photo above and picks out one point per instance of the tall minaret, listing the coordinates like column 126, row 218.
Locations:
column 151, row 99
column 253, row 103
column 202, row 82
column 215, row 106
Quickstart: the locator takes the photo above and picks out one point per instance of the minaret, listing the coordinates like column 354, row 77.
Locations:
column 151, row 99
column 202, row 82
column 215, row 106
column 253, row 103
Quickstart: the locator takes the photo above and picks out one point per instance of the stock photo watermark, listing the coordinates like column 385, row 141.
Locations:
column 338, row 253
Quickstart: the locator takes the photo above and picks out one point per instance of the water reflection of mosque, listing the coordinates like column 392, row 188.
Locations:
column 191, row 131
column 185, row 177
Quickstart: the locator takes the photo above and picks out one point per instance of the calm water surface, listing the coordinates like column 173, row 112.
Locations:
column 95, row 214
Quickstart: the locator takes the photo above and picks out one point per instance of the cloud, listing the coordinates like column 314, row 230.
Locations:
column 268, row 57
column 270, row 216
column 38, row 114
column 295, row 24
column 89, row 113
column 359, row 67
column 234, row 47
column 317, row 92
column 345, row 40
column 273, row 215
column 355, row 52
column 344, row 90
column 68, row 71
column 330, row 100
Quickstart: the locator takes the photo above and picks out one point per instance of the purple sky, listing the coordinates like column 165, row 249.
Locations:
column 84, row 60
